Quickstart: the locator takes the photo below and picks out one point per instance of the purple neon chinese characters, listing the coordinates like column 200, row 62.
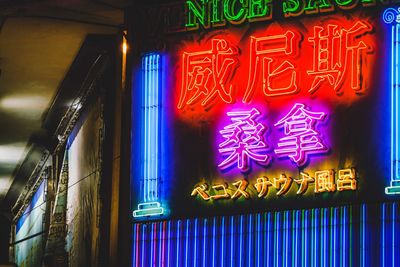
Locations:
column 301, row 136
column 244, row 141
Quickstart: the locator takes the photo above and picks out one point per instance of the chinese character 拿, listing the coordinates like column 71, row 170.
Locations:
column 301, row 136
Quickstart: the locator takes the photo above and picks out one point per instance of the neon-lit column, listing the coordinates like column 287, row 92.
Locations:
column 150, row 131
column 392, row 16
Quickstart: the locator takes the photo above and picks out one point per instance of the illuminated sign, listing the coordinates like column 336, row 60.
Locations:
column 324, row 181
column 273, row 115
column 337, row 53
column 392, row 16
column 150, row 145
column 214, row 13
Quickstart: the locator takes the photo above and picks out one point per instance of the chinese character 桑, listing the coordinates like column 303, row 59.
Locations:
column 244, row 141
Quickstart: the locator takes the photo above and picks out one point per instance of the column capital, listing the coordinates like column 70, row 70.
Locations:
column 391, row 15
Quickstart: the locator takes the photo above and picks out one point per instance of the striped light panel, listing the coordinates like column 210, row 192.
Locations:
column 365, row 235
column 151, row 67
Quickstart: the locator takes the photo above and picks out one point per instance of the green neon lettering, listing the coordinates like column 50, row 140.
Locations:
column 229, row 10
column 259, row 8
column 314, row 5
column 373, row 2
column 217, row 17
column 291, row 6
column 344, row 2
column 196, row 14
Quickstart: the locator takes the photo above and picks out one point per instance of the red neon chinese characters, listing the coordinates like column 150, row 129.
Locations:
column 301, row 137
column 263, row 50
column 206, row 74
column 338, row 54
column 243, row 141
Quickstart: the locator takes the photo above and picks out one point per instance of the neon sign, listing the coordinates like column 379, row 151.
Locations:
column 392, row 16
column 150, row 150
column 272, row 65
column 216, row 13
column 244, row 138
column 324, row 182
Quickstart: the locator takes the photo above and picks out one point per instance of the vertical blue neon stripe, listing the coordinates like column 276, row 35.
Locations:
column 394, row 44
column 145, row 160
column 316, row 249
column 345, row 238
column 151, row 240
column 241, row 241
column 157, row 128
column 383, row 234
column 249, row 235
column 134, row 246
column 150, row 132
column 286, row 251
column 143, row 244
column 204, row 242
column 306, row 228
column 269, row 230
column 326, row 247
column 296, row 238
column 222, row 242
column 214, row 240
column 342, row 239
column 153, row 130
column 397, row 89
column 259, row 233
column 232, row 234
column 364, row 231
column 187, row 243
column 393, row 232
column 195, row 243
column 312, row 245
column 160, row 244
column 276, row 258
column 178, row 238
column 169, row 244
column 303, row 237
column 334, row 236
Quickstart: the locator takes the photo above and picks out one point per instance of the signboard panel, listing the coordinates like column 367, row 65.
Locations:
column 277, row 114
